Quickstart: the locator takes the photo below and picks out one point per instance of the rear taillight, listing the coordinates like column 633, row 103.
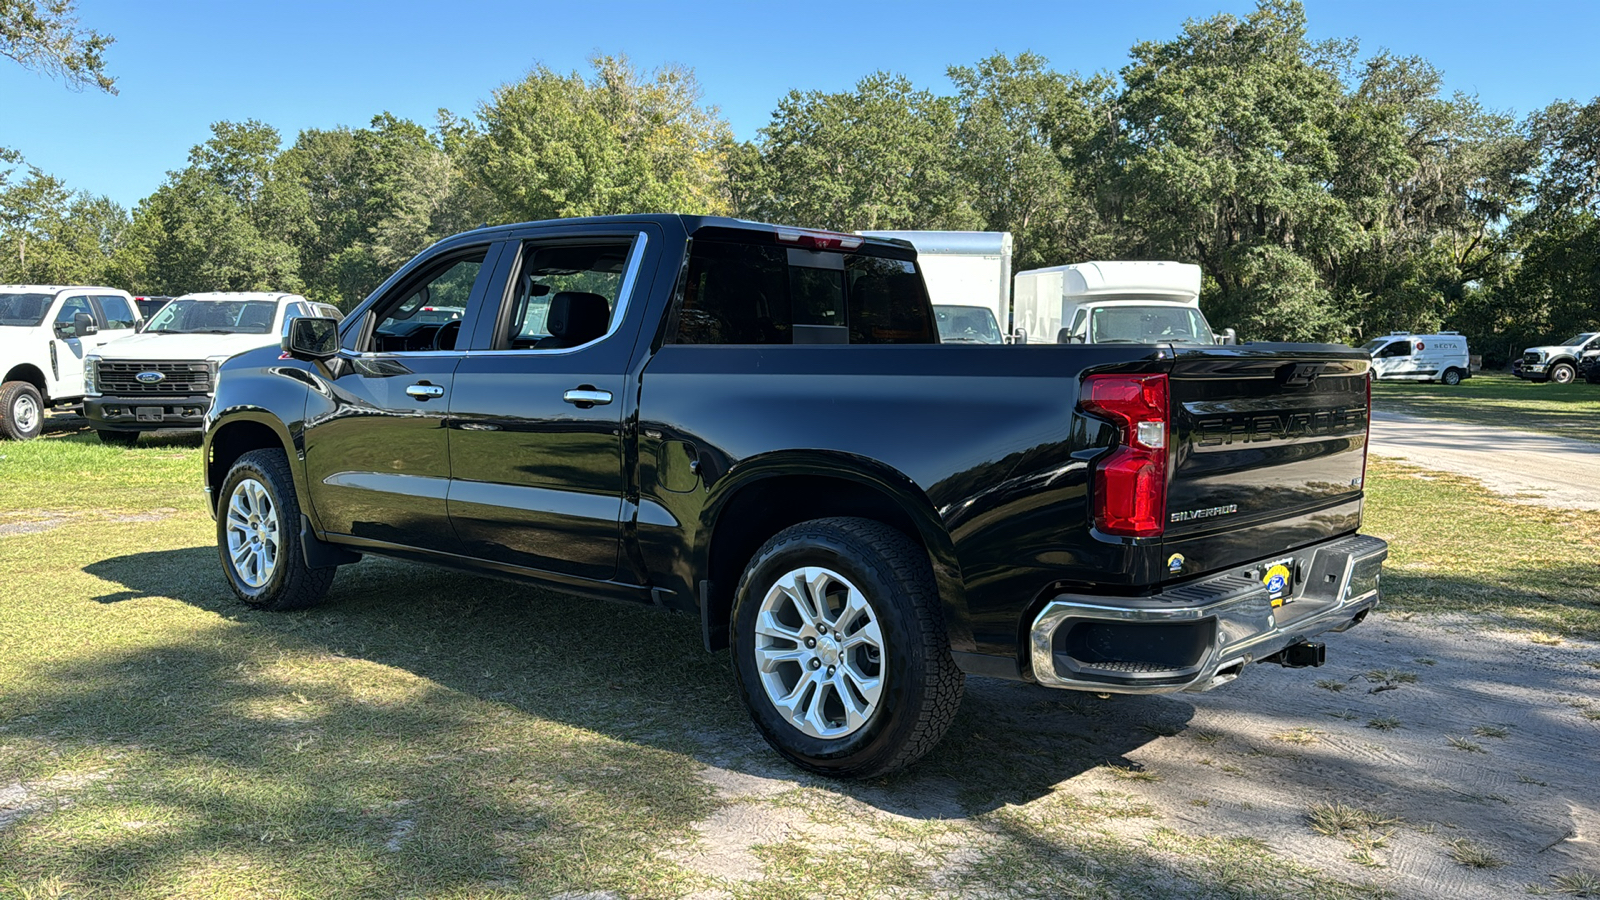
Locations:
column 1130, row 483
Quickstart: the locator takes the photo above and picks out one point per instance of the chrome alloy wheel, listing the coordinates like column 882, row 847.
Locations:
column 25, row 412
column 820, row 652
column 253, row 533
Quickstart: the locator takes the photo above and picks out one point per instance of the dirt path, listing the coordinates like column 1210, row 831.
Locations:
column 1464, row 740
column 1525, row 466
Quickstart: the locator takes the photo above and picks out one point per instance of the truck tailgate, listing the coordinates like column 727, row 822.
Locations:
column 1268, row 452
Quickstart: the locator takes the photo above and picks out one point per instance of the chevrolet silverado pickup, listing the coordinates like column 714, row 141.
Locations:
column 756, row 425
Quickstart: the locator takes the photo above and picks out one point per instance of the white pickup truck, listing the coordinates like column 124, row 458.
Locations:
column 46, row 330
column 164, row 377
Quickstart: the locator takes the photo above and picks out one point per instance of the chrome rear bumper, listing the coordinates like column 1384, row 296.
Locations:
column 1199, row 635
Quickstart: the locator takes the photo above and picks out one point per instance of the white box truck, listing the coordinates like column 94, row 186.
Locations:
column 1103, row 302
column 968, row 274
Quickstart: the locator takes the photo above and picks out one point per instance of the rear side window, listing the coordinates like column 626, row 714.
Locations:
column 118, row 313
column 738, row 293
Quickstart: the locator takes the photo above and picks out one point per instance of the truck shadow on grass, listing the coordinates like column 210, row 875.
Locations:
column 637, row 675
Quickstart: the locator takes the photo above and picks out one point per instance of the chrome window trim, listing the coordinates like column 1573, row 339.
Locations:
column 630, row 277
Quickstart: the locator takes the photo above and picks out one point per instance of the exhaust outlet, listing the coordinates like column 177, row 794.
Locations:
column 1306, row 654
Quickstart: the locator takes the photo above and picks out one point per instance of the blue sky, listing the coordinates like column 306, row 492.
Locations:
column 182, row 64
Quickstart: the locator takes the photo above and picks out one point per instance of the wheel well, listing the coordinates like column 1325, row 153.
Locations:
column 31, row 375
column 233, row 441
column 761, row 510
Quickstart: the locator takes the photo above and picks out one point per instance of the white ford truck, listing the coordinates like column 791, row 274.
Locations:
column 164, row 377
column 46, row 330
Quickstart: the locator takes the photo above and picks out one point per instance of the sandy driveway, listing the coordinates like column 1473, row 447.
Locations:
column 1525, row 466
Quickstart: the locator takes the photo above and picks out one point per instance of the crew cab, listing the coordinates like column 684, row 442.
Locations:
column 757, row 425
column 161, row 378
column 1556, row 363
column 45, row 332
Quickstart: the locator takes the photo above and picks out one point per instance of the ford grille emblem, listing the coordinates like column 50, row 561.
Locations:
column 150, row 377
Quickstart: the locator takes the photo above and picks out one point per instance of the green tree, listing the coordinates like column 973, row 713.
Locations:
column 45, row 36
column 878, row 157
column 377, row 196
column 1223, row 143
column 557, row 145
column 227, row 221
column 1021, row 135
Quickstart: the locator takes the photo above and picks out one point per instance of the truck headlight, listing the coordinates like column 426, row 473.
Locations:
column 91, row 376
column 214, row 367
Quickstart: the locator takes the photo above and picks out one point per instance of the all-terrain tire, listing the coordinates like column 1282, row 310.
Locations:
column 1561, row 373
column 117, row 438
column 21, row 411
column 921, row 687
column 1451, row 377
column 260, row 488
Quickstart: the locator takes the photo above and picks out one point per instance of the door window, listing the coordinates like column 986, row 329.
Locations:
column 72, row 307
column 119, row 313
column 409, row 320
column 1080, row 327
column 1398, row 348
column 565, row 295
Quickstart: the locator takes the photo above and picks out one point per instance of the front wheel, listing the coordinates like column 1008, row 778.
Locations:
column 257, row 538
column 1562, row 373
column 840, row 649
column 1451, row 377
column 21, row 411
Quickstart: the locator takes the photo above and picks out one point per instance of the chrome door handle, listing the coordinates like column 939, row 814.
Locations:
column 587, row 395
column 424, row 391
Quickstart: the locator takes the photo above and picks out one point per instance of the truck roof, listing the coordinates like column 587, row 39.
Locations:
column 1165, row 280
column 57, row 288
column 689, row 223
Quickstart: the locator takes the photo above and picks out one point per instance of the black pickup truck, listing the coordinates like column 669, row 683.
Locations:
column 756, row 425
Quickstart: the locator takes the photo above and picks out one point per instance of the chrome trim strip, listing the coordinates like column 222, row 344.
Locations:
column 525, row 498
column 1247, row 626
column 430, row 487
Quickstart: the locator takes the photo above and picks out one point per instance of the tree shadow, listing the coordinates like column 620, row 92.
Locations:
column 638, row 675
column 637, row 707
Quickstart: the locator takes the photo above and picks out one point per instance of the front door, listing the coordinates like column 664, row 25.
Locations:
column 376, row 442
column 66, row 354
column 537, row 435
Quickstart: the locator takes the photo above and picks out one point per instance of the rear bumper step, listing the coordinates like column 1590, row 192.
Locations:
column 1199, row 635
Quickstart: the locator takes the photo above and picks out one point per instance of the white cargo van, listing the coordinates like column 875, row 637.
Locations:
column 1403, row 356
column 1107, row 302
column 968, row 274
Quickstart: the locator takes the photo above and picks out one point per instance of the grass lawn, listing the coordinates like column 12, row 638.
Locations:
column 1570, row 410
column 432, row 734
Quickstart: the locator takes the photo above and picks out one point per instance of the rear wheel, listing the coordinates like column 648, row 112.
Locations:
column 21, row 411
column 1562, row 373
column 117, row 438
column 1451, row 377
column 840, row 648
column 258, row 518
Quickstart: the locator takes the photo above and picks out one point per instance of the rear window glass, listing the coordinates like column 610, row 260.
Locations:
column 738, row 293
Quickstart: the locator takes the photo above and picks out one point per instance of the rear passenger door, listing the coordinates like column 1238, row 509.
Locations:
column 539, row 401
